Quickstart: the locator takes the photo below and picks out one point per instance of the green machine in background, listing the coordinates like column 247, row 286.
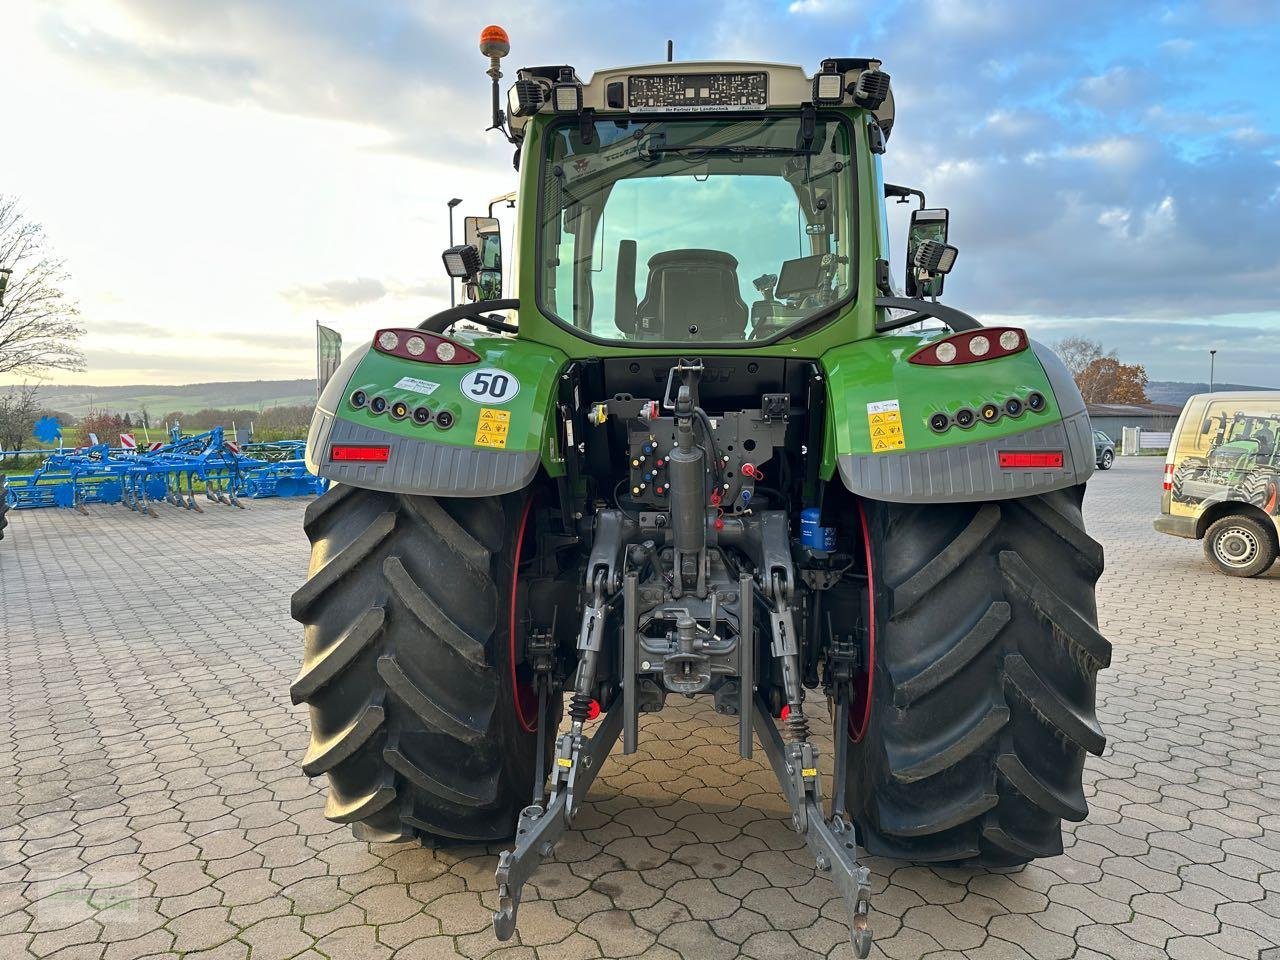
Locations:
column 704, row 446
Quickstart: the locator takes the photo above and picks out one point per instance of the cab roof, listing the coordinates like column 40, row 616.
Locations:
column 787, row 85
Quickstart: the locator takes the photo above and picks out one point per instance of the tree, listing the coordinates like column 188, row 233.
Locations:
column 1078, row 352
column 38, row 326
column 1107, row 380
column 18, row 412
column 108, row 426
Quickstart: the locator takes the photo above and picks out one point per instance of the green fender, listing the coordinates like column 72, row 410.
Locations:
column 880, row 441
column 499, row 413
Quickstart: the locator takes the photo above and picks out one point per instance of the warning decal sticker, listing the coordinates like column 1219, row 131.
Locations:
column 884, row 420
column 492, row 429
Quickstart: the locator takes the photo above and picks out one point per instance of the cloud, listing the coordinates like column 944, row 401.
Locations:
column 810, row 8
column 338, row 293
column 1107, row 167
column 125, row 328
column 275, row 341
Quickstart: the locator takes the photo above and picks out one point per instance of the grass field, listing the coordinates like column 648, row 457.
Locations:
column 161, row 399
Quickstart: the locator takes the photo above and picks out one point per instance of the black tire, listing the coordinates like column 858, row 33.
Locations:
column 4, row 506
column 986, row 655
column 1193, row 468
column 406, row 667
column 1106, row 460
column 1240, row 546
column 1263, row 491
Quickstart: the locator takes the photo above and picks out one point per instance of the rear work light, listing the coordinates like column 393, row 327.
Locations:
column 422, row 346
column 972, row 346
column 359, row 453
column 1014, row 460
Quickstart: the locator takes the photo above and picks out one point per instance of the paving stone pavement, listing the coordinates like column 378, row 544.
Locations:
column 151, row 803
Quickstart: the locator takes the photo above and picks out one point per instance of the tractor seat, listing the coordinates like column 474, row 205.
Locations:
column 692, row 289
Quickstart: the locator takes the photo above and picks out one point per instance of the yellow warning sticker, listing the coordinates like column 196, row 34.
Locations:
column 491, row 430
column 564, row 762
column 884, row 420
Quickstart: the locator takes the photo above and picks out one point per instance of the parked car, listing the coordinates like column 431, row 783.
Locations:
column 1104, row 450
column 1222, row 480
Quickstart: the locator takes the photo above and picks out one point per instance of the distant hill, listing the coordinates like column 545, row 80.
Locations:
column 1175, row 392
column 159, row 399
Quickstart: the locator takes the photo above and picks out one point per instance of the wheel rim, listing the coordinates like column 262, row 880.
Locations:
column 523, row 695
column 860, row 709
column 1106, row 458
column 1236, row 547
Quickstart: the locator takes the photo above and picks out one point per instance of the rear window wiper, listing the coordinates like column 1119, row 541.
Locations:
column 729, row 150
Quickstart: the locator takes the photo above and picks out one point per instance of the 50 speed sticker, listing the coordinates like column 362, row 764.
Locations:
column 490, row 386
column 884, row 419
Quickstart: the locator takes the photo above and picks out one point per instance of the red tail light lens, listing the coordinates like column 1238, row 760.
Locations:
column 972, row 346
column 422, row 346
column 359, row 453
column 1168, row 476
column 1020, row 459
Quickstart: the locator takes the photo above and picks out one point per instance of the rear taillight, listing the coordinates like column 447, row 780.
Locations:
column 1168, row 476
column 359, row 453
column 971, row 346
column 422, row 346
column 1030, row 460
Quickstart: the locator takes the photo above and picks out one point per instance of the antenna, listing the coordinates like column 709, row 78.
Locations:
column 671, row 51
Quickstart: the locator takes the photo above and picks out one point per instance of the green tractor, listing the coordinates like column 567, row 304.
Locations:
column 1243, row 462
column 704, row 447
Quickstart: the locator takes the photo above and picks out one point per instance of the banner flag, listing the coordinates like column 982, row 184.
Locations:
column 328, row 354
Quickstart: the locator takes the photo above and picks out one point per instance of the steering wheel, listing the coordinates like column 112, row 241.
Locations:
column 440, row 322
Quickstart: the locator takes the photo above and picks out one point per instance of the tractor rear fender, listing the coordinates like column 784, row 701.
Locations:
column 488, row 430
column 883, row 443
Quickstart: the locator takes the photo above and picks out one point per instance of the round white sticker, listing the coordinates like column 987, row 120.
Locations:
column 490, row 386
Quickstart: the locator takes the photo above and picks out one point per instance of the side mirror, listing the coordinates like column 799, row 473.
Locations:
column 926, row 224
column 485, row 235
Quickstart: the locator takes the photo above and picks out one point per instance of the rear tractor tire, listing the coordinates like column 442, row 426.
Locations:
column 1192, row 468
column 986, row 652
column 407, row 668
column 1263, row 491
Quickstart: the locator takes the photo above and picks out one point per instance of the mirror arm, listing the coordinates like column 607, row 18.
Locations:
column 957, row 320
column 903, row 194
column 439, row 322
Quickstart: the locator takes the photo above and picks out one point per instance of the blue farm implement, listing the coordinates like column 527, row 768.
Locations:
column 172, row 472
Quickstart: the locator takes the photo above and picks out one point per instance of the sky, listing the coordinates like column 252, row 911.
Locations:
column 220, row 175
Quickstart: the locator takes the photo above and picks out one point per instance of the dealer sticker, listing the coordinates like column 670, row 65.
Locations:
column 417, row 386
column 491, row 430
column 884, row 419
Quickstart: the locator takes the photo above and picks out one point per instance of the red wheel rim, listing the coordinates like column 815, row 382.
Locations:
column 860, row 709
column 523, row 695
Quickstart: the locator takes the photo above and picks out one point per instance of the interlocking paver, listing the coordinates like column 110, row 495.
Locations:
column 154, row 808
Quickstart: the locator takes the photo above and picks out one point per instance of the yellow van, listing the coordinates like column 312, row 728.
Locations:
column 1222, row 479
